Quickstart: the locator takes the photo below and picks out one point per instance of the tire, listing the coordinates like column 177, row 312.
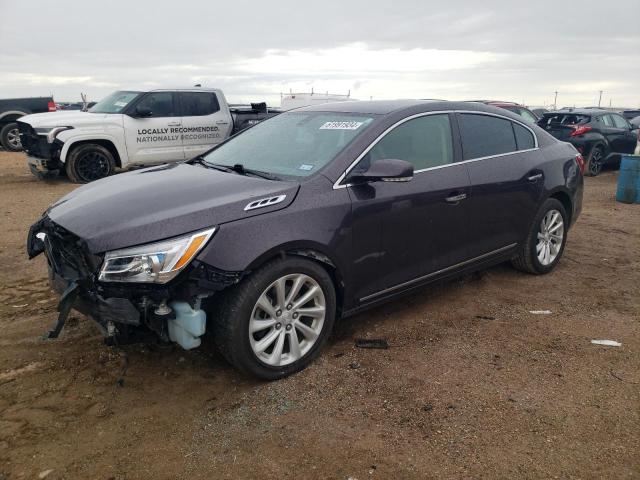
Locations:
column 595, row 161
column 528, row 259
column 239, row 306
column 89, row 162
column 10, row 137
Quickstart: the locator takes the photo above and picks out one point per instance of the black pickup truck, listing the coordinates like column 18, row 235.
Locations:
column 12, row 109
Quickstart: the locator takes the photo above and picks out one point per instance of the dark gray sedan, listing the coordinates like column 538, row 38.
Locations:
column 306, row 218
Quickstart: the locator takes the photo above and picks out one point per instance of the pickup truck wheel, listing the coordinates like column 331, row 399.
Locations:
column 545, row 243
column 10, row 137
column 595, row 161
column 89, row 162
column 276, row 321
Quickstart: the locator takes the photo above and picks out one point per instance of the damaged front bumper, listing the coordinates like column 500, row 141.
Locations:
column 43, row 157
column 126, row 312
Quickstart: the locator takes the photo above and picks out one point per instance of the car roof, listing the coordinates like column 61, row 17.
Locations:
column 385, row 107
column 579, row 111
column 498, row 103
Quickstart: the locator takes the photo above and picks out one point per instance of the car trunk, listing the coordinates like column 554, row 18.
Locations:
column 562, row 125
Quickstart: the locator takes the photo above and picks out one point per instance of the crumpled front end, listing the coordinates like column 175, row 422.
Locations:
column 126, row 312
column 43, row 157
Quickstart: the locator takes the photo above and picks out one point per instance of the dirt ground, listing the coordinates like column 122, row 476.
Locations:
column 473, row 386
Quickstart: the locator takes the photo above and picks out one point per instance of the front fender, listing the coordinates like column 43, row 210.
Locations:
column 73, row 136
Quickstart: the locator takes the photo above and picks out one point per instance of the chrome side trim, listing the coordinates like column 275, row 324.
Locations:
column 264, row 202
column 338, row 184
column 436, row 273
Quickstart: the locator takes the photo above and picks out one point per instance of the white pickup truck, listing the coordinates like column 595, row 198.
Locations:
column 131, row 128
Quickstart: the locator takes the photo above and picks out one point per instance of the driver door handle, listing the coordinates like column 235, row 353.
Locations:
column 456, row 198
column 535, row 178
column 174, row 124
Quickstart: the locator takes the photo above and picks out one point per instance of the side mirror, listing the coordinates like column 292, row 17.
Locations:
column 143, row 112
column 385, row 170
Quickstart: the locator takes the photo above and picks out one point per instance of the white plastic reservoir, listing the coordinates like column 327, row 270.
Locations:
column 188, row 325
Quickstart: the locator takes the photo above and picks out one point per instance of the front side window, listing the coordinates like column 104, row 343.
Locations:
column 291, row 144
column 196, row 104
column 485, row 136
column 114, row 103
column 425, row 142
column 160, row 104
column 619, row 122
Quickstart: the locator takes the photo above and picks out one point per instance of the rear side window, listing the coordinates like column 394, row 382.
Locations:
column 524, row 138
column 425, row 142
column 196, row 104
column 160, row 104
column 484, row 136
column 606, row 119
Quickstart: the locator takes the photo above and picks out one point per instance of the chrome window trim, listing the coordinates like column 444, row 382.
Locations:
column 338, row 183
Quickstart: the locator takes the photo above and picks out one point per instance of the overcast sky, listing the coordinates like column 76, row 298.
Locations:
column 457, row 49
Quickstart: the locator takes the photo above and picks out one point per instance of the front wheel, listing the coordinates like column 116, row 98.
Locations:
column 89, row 162
column 276, row 321
column 544, row 246
column 10, row 137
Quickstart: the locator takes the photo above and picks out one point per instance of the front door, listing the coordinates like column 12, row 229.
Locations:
column 204, row 124
column 403, row 231
column 154, row 138
column 621, row 138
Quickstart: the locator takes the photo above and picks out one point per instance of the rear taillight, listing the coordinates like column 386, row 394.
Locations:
column 579, row 131
column 51, row 106
column 580, row 162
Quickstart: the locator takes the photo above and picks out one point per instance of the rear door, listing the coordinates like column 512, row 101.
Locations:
column 506, row 180
column 403, row 231
column 204, row 122
column 154, row 138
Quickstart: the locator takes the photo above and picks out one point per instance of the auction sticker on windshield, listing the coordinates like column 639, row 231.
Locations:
column 341, row 125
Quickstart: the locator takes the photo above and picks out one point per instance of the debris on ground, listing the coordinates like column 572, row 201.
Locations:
column 540, row 312
column 372, row 343
column 607, row 343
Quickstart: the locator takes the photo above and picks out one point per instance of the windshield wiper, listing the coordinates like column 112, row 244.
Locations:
column 237, row 168
column 240, row 169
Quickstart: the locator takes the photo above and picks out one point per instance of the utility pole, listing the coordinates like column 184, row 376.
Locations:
column 555, row 101
column 600, row 98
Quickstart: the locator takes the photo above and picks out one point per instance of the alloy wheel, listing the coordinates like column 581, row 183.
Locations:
column 13, row 139
column 287, row 319
column 595, row 163
column 550, row 237
column 92, row 166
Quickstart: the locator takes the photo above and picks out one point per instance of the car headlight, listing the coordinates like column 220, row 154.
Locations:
column 153, row 263
column 51, row 132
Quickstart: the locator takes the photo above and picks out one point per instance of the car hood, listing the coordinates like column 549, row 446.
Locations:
column 72, row 118
column 162, row 202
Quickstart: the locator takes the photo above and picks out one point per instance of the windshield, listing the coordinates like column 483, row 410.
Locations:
column 291, row 144
column 114, row 103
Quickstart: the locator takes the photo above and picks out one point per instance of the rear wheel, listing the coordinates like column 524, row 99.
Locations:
column 544, row 246
column 10, row 137
column 275, row 322
column 595, row 161
column 89, row 162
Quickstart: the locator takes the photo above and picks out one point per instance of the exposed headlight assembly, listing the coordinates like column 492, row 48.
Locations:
column 51, row 132
column 153, row 263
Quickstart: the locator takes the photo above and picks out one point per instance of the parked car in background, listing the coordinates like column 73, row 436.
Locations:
column 629, row 114
column 600, row 135
column 133, row 128
column 540, row 111
column 314, row 215
column 635, row 122
column 516, row 108
column 12, row 109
